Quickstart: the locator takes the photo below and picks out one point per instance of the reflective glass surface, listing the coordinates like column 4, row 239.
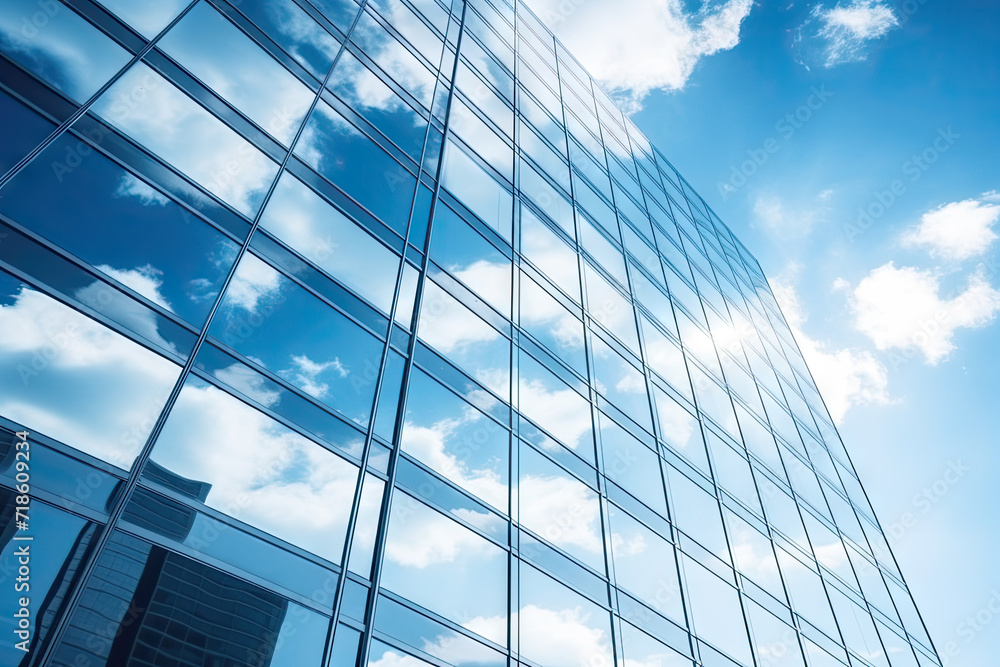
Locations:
column 387, row 303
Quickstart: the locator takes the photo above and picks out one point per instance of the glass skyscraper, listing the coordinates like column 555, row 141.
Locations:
column 373, row 334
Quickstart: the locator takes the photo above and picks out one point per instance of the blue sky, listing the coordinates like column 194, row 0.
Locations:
column 851, row 146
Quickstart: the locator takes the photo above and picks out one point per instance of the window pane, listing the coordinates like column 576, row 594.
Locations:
column 632, row 465
column 621, row 383
column 357, row 165
column 465, row 254
column 645, row 565
column 142, row 596
column 560, row 508
column 301, row 36
column 462, row 336
column 552, row 324
column 100, row 392
column 470, row 127
column 446, row 568
column 556, row 407
column 59, row 47
column 379, row 104
column 558, row 627
column 475, row 188
column 324, row 235
column 456, row 440
column 172, row 258
column 148, row 18
column 553, row 203
column 236, row 68
column 697, row 513
column 715, row 607
column 611, row 309
column 276, row 323
column 550, row 254
column 257, row 470
column 158, row 115
column 395, row 59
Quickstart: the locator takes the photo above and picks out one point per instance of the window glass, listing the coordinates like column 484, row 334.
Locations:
column 158, row 115
column 553, row 203
column 665, row 357
column 829, row 549
column 59, row 47
column 552, row 324
column 621, row 383
column 23, row 130
column 715, row 607
column 147, row 18
column 544, row 156
column 445, row 567
column 485, row 97
column 472, row 259
column 328, row 238
column 276, row 323
column 732, row 472
column 413, row 30
column 807, row 594
column 560, row 508
column 641, row 650
column 753, row 555
column 462, row 336
column 475, row 188
column 256, row 469
column 631, row 464
column 559, row 627
column 678, row 427
column 291, row 27
column 363, row 546
column 542, row 122
column 354, row 163
column 610, row 308
column 557, row 408
column 172, row 259
column 781, row 510
column 713, row 400
column 380, row 105
column 696, row 512
column 774, row 643
column 229, row 62
column 142, row 596
column 97, row 383
column 543, row 248
column 858, row 628
column 759, row 441
column 339, row 12
column 470, row 127
column 67, row 540
column 645, row 565
column 607, row 254
column 395, row 59
column 457, row 440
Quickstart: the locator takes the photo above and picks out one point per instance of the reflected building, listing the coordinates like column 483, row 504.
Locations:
column 375, row 334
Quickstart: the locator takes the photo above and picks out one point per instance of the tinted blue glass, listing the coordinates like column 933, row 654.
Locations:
column 59, row 47
column 31, row 129
column 297, row 32
column 379, row 104
column 294, row 335
column 354, row 163
column 122, row 226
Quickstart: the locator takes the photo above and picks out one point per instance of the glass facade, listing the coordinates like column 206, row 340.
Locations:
column 374, row 334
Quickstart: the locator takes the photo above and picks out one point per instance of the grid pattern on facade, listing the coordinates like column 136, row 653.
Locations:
column 385, row 317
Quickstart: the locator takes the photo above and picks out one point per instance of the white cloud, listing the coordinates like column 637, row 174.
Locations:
column 846, row 377
column 645, row 45
column 305, row 373
column 130, row 186
column 563, row 637
column 273, row 477
column 77, row 381
column 844, row 31
column 563, row 511
column 561, row 411
column 775, row 216
column 253, row 282
column 957, row 231
column 901, row 308
column 250, row 383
